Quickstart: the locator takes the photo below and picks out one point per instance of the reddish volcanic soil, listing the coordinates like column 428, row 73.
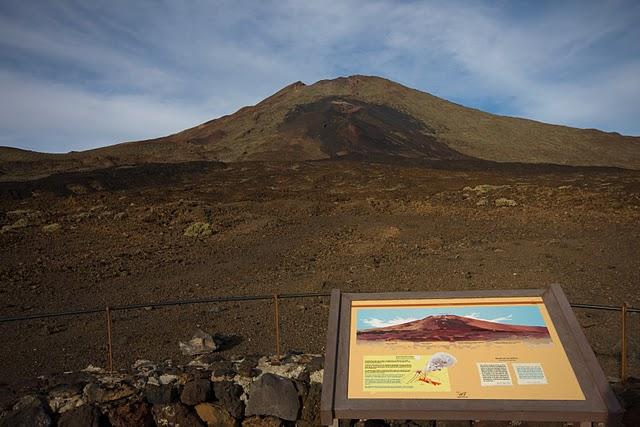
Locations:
column 298, row 227
column 452, row 328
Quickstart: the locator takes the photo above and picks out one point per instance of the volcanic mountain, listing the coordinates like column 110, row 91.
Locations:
column 452, row 328
column 357, row 117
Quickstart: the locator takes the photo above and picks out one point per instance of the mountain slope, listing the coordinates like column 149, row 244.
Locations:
column 357, row 116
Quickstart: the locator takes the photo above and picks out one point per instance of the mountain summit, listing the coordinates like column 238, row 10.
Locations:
column 357, row 117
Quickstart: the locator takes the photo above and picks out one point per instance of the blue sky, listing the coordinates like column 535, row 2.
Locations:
column 82, row 74
column 513, row 315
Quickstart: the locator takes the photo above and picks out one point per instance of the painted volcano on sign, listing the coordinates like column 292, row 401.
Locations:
column 452, row 328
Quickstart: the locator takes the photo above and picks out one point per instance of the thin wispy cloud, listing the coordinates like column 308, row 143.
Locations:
column 379, row 323
column 77, row 74
column 502, row 319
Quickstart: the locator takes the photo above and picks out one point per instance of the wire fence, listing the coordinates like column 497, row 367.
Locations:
column 76, row 312
column 624, row 309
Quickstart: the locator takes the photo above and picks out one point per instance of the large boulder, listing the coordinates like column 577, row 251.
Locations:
column 214, row 415
column 30, row 411
column 228, row 394
column 82, row 416
column 162, row 394
column 176, row 415
column 131, row 414
column 273, row 395
column 103, row 393
column 196, row 391
column 65, row 397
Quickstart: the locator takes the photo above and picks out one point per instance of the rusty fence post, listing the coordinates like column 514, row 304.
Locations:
column 277, row 323
column 623, row 343
column 109, row 340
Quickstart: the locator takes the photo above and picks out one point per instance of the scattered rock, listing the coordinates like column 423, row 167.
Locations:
column 262, row 422
column 80, row 216
column 131, row 414
column 371, row 423
column 53, row 329
column 63, row 398
column 503, row 202
column 228, row 394
column 317, row 376
column 176, row 415
column 51, row 228
column 30, row 411
column 107, row 392
column 77, row 188
column 223, row 369
column 167, row 378
column 144, row 367
column 82, row 416
column 93, row 369
column 196, row 391
column 198, row 229
column 482, row 202
column 120, row 216
column 214, row 415
column 160, row 394
column 273, row 395
column 291, row 369
column 201, row 343
column 316, row 363
column 96, row 185
column 247, row 367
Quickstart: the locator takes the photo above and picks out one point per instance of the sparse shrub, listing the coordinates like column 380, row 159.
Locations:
column 51, row 228
column 502, row 202
column 21, row 223
column 198, row 229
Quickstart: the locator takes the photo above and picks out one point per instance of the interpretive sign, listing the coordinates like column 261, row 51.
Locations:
column 512, row 355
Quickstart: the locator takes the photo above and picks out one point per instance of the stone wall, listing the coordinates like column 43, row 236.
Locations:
column 209, row 391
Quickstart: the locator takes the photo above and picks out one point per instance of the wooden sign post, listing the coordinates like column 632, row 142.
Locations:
column 517, row 355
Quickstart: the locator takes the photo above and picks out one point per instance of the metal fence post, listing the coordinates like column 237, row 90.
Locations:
column 277, row 324
column 623, row 343
column 109, row 341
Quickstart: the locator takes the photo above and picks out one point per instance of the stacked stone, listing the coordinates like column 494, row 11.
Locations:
column 209, row 391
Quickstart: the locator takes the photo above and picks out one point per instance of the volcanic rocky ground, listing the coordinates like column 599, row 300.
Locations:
column 298, row 227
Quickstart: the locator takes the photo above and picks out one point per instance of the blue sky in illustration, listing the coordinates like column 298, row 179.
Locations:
column 509, row 314
column 78, row 74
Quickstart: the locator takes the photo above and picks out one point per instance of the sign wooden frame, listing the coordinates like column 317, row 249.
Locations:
column 600, row 404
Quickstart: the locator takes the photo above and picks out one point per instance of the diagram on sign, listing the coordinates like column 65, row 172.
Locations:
column 436, row 363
